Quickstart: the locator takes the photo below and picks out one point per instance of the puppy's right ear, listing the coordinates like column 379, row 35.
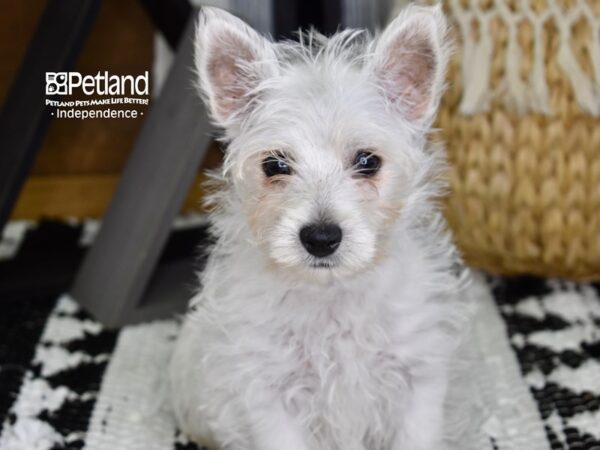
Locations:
column 231, row 59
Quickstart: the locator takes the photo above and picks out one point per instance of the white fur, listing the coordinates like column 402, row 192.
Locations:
column 277, row 354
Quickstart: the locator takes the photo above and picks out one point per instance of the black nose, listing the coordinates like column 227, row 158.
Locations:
column 321, row 239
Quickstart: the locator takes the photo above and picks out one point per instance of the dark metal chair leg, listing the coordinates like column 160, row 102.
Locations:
column 167, row 154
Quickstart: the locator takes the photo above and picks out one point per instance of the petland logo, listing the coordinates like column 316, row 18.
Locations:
column 64, row 83
column 112, row 96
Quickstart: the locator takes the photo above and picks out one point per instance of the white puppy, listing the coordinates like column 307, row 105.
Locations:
column 327, row 315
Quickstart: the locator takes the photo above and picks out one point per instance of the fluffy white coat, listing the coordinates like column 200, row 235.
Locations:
column 278, row 353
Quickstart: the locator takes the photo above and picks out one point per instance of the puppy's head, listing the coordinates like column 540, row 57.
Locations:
column 326, row 136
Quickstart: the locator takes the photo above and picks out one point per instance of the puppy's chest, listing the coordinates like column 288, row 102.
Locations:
column 344, row 371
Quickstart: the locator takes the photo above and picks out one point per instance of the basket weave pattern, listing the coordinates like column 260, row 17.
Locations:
column 525, row 173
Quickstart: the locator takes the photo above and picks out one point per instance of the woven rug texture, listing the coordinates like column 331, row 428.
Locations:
column 68, row 383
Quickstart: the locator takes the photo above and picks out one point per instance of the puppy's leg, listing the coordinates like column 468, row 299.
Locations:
column 423, row 419
column 272, row 428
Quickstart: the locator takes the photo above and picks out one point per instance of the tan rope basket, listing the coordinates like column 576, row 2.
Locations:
column 521, row 124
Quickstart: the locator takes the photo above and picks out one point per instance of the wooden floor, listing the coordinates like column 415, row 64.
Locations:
column 80, row 196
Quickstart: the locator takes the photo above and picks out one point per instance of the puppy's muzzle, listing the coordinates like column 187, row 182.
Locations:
column 321, row 239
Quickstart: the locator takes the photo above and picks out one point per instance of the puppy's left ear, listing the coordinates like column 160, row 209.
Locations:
column 410, row 60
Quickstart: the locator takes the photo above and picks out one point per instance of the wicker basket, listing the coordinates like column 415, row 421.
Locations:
column 521, row 125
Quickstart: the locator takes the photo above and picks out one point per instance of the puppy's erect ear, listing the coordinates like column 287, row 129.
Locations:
column 410, row 61
column 231, row 60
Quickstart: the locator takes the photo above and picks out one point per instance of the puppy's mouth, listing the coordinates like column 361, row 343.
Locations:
column 322, row 264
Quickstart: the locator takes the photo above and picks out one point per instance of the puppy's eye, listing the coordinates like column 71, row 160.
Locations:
column 276, row 165
column 366, row 164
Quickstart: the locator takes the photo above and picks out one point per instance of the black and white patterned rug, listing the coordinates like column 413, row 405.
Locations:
column 68, row 383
